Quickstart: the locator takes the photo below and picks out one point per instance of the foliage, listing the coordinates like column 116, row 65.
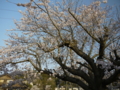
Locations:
column 45, row 80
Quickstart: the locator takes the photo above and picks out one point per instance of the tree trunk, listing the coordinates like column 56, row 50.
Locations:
column 99, row 88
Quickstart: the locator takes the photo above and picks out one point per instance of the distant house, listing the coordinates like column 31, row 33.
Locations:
column 4, row 80
column 5, row 83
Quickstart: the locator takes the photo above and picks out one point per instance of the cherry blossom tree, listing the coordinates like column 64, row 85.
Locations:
column 82, row 42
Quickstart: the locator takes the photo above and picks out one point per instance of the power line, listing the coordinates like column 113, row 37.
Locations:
column 6, row 18
column 11, row 2
column 9, row 10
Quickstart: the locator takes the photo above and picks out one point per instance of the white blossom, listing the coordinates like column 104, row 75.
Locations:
column 41, row 71
column 104, row 1
column 40, row 4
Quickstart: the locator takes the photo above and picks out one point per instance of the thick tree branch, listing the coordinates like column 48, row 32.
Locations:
column 74, row 80
column 112, row 78
column 115, row 61
column 86, row 57
column 73, row 46
column 101, row 49
column 19, row 62
column 77, row 72
column 85, row 66
column 69, row 78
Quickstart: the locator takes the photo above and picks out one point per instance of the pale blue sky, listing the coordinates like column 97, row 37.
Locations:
column 9, row 11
